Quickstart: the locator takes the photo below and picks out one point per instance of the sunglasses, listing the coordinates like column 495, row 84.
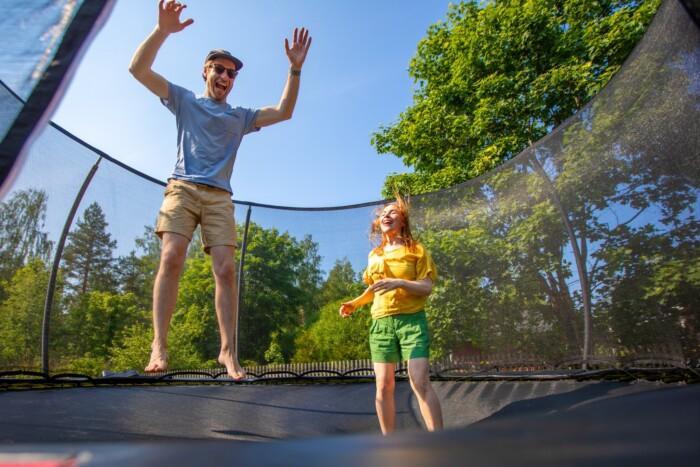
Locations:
column 220, row 69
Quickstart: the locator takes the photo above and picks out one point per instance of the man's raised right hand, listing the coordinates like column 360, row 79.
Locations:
column 169, row 16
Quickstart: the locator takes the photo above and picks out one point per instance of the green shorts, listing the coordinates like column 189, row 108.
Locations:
column 397, row 338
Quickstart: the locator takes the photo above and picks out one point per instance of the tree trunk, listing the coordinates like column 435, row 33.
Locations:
column 579, row 259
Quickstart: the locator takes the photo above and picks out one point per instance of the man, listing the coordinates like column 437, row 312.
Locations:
column 199, row 191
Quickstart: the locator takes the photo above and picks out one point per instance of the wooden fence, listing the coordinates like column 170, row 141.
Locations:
column 451, row 366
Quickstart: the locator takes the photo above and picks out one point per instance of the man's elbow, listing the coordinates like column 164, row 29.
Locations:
column 272, row 116
column 137, row 72
column 134, row 71
column 286, row 114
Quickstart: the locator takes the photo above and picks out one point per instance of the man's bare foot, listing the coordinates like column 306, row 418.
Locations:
column 233, row 368
column 159, row 360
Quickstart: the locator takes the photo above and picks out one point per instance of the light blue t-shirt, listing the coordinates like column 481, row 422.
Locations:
column 208, row 136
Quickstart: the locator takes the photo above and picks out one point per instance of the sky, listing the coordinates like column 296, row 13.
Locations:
column 355, row 80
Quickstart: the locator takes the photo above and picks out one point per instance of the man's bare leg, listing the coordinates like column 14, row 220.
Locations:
column 226, row 303
column 384, row 399
column 172, row 259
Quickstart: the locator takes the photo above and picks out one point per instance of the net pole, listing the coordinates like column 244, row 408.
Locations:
column 51, row 288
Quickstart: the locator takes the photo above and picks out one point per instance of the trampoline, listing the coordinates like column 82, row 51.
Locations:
column 488, row 423
column 602, row 386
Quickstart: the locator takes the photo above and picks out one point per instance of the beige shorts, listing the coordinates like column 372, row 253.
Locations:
column 187, row 204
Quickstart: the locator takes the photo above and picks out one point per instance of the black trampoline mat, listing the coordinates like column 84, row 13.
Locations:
column 537, row 422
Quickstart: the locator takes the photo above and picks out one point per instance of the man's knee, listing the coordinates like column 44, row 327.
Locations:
column 172, row 258
column 224, row 269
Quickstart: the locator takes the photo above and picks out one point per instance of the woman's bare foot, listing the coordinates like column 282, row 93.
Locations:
column 158, row 361
column 233, row 368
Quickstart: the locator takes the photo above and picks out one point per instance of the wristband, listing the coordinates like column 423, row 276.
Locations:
column 294, row 72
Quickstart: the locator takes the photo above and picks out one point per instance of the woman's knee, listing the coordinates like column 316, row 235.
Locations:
column 385, row 388
column 420, row 384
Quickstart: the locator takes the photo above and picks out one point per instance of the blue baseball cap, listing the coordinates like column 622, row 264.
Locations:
column 221, row 53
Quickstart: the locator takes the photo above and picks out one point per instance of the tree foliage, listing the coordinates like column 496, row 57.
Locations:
column 22, row 235
column 492, row 80
column 331, row 338
column 598, row 208
column 98, row 320
column 593, row 222
column 342, row 282
column 21, row 315
column 88, row 262
column 281, row 282
column 136, row 271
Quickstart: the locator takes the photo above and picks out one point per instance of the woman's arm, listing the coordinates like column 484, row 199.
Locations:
column 422, row 287
column 347, row 308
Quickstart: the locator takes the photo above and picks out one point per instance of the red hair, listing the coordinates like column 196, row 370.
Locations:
column 403, row 207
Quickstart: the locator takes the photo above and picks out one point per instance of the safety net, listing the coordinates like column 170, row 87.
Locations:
column 580, row 252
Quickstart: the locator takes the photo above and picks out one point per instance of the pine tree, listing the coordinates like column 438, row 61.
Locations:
column 342, row 282
column 88, row 263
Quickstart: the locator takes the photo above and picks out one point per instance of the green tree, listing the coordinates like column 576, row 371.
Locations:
column 489, row 265
column 88, row 262
column 21, row 315
column 653, row 281
column 98, row 320
column 195, row 249
column 136, row 271
column 332, row 338
column 623, row 197
column 342, row 282
column 133, row 350
column 274, row 353
column 281, row 283
column 493, row 79
column 308, row 281
column 22, row 236
column 576, row 250
column 281, row 279
column 194, row 319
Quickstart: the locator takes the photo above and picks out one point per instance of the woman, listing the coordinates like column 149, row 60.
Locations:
column 400, row 275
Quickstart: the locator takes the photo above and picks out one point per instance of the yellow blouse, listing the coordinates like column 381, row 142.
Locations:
column 399, row 263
